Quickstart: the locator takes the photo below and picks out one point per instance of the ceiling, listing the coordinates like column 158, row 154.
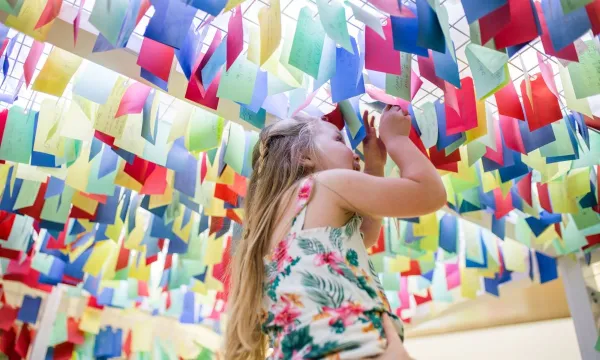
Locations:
column 459, row 30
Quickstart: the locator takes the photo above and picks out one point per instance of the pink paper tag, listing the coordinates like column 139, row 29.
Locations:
column 380, row 95
column 133, row 100
column 391, row 7
column 415, row 84
column 380, row 54
column 546, row 69
column 76, row 23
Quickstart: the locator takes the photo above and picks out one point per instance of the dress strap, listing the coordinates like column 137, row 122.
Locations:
column 304, row 192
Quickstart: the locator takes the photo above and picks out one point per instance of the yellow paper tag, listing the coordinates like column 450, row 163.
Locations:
column 469, row 283
column 561, row 202
column 47, row 137
column 578, row 182
column 98, row 258
column 514, row 256
column 90, row 320
column 84, row 203
column 131, row 139
column 428, row 225
column 113, row 231
column 56, row 72
column 105, row 116
column 270, row 30
column 135, row 238
column 31, row 11
column 228, row 176
column 139, row 270
column 214, row 251
column 397, row 264
column 78, row 173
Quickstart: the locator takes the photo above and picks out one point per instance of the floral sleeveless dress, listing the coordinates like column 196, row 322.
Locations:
column 322, row 297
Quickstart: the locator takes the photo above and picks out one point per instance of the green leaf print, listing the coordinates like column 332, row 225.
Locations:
column 338, row 326
column 352, row 226
column 270, row 317
column 296, row 341
column 360, row 281
column 364, row 285
column 322, row 291
column 311, row 246
column 372, row 269
column 288, row 269
column 271, row 292
column 352, row 257
column 331, row 347
column 335, row 237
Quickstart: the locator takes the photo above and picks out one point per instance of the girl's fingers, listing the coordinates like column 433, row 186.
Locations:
column 366, row 122
column 388, row 327
column 373, row 122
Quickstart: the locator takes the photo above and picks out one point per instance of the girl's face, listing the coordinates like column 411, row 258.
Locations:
column 332, row 149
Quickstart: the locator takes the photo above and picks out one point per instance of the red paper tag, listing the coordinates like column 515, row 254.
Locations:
column 156, row 182
column 503, row 204
column 335, row 117
column 509, row 103
column 593, row 11
column 521, row 28
column 491, row 24
column 544, row 197
column 524, row 188
column 544, row 108
column 511, row 134
column 464, row 98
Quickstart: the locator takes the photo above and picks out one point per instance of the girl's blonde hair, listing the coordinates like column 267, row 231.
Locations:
column 277, row 166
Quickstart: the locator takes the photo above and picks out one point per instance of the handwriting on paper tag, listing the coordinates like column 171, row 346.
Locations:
column 48, row 125
column 270, row 30
column 105, row 117
column 400, row 86
column 580, row 46
column 333, row 18
column 427, row 121
column 307, row 47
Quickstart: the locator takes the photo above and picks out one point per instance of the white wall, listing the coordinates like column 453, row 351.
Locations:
column 548, row 340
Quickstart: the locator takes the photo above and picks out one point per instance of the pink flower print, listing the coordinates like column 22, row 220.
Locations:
column 281, row 255
column 347, row 313
column 300, row 355
column 303, row 195
column 286, row 316
column 330, row 258
column 353, row 308
column 304, row 192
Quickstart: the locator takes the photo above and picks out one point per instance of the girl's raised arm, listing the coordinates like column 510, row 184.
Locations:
column 418, row 192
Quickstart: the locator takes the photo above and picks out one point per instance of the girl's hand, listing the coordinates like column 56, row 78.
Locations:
column 394, row 123
column 373, row 147
column 395, row 350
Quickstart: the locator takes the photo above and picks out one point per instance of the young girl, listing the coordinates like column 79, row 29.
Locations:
column 301, row 274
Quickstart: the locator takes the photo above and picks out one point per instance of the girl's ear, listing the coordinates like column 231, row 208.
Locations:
column 309, row 162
